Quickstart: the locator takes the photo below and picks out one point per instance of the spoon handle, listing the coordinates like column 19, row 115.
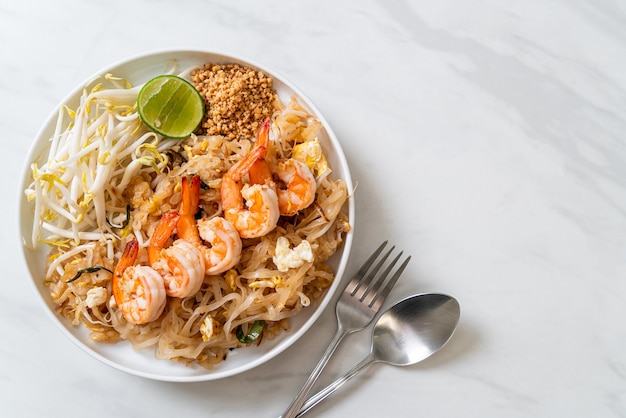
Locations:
column 324, row 393
column 299, row 399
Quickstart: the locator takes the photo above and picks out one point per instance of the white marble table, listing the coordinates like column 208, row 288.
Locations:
column 488, row 139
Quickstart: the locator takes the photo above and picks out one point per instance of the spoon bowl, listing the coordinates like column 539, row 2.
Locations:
column 414, row 329
column 410, row 331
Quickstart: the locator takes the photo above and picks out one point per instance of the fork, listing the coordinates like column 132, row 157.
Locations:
column 356, row 308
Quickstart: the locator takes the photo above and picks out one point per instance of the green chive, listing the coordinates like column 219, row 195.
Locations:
column 125, row 224
column 91, row 269
column 255, row 332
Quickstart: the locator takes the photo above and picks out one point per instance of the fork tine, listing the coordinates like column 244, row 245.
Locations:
column 373, row 288
column 382, row 295
column 359, row 275
column 363, row 285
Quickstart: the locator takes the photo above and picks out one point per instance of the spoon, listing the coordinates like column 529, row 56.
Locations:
column 409, row 332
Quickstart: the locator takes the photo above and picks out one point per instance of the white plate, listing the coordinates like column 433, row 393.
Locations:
column 143, row 363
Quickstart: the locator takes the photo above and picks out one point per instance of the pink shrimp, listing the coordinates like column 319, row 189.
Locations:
column 181, row 265
column 299, row 186
column 251, row 208
column 224, row 249
column 139, row 291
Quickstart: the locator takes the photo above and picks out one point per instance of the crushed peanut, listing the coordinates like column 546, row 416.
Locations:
column 237, row 99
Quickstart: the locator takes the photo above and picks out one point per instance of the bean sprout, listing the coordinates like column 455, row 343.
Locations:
column 94, row 152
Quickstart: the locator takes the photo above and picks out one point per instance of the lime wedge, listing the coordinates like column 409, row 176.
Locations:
column 170, row 106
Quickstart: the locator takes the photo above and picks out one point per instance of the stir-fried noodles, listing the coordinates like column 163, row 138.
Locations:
column 109, row 183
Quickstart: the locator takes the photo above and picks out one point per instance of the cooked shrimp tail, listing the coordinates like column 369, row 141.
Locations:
column 260, row 172
column 128, row 258
column 258, row 152
column 190, row 194
column 190, row 198
column 162, row 233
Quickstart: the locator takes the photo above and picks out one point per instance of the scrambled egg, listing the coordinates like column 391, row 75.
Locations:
column 286, row 258
column 273, row 282
column 209, row 328
column 311, row 154
column 231, row 276
column 96, row 296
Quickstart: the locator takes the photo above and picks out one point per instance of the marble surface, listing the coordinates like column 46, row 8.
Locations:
column 487, row 140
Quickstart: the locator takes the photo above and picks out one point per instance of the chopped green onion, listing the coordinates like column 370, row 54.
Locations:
column 91, row 269
column 255, row 332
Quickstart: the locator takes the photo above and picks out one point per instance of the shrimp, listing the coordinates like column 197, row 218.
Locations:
column 251, row 208
column 225, row 244
column 139, row 291
column 181, row 265
column 300, row 186
column 225, row 251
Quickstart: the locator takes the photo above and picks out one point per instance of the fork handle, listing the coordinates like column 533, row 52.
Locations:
column 299, row 399
column 324, row 393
